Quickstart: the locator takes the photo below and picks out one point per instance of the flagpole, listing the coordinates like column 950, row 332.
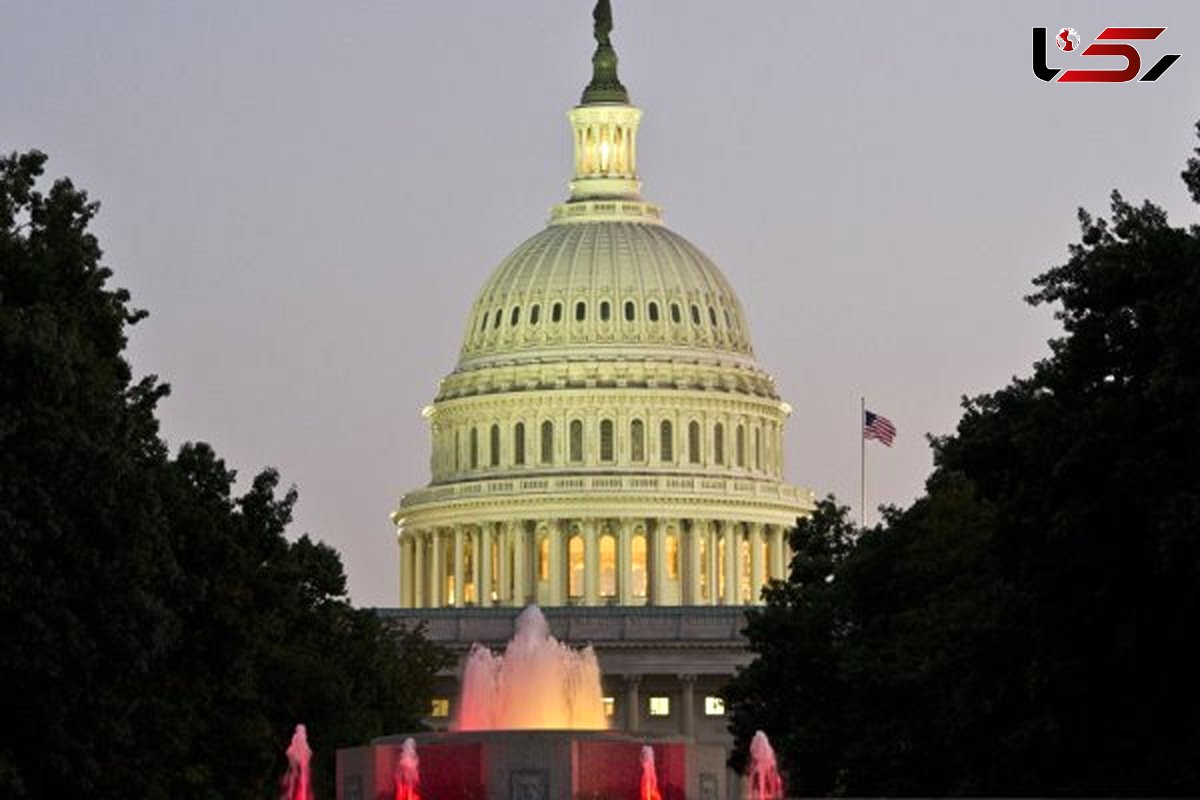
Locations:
column 862, row 463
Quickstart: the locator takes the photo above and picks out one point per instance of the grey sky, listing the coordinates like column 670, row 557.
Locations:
column 306, row 196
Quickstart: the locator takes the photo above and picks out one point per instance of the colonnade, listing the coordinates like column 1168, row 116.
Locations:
column 590, row 561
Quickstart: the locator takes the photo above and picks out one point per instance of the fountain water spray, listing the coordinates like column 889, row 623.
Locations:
column 407, row 778
column 763, row 773
column 649, row 785
column 296, row 783
column 538, row 683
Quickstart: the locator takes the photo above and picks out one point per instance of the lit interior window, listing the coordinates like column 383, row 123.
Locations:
column 608, row 566
column 660, row 706
column 440, row 708
column 672, row 556
column 575, row 566
column 714, row 706
column 544, row 558
column 638, row 548
column 610, row 706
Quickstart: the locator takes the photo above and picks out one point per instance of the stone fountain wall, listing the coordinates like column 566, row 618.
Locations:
column 533, row 765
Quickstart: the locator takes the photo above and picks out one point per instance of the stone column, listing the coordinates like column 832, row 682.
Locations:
column 625, row 562
column 687, row 705
column 778, row 567
column 483, row 562
column 558, row 562
column 633, row 703
column 520, row 564
column 459, row 572
column 710, row 560
column 731, row 533
column 402, row 543
column 420, row 579
column 756, row 562
column 437, row 570
column 691, row 575
column 658, row 565
column 591, row 564
column 504, row 568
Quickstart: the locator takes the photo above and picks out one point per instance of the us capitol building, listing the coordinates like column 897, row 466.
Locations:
column 606, row 447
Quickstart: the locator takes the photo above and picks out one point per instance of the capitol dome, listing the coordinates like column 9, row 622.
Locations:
column 606, row 282
column 607, row 436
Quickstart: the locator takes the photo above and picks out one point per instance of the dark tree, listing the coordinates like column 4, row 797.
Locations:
column 1029, row 626
column 160, row 635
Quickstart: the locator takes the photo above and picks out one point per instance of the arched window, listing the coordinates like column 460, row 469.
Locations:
column 519, row 444
column 498, row 317
column 556, row 312
column 483, row 322
column 474, row 448
column 652, row 311
column 576, row 453
column 740, row 445
column 666, row 441
column 516, row 315
column 694, row 442
column 606, row 440
column 719, row 443
column 543, row 564
column 608, row 565
column 580, row 311
column 676, row 317
column 728, row 321
column 672, row 549
column 457, row 450
column 638, row 564
column 712, row 316
column 494, row 446
column 630, row 311
column 605, row 311
column 547, row 442
column 575, row 566
column 695, row 314
column 535, row 313
column 758, row 448
column 637, row 440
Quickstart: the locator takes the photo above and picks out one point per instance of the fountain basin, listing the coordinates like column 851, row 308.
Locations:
column 533, row 765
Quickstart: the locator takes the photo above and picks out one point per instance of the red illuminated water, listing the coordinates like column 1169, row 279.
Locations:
column 408, row 780
column 538, row 683
column 296, row 783
column 763, row 774
column 649, row 784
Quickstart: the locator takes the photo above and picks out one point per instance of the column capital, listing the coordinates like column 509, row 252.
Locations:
column 633, row 680
column 687, row 677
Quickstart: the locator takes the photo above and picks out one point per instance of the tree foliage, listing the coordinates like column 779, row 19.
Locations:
column 1030, row 624
column 161, row 636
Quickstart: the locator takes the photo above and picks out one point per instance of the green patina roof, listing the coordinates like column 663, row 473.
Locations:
column 605, row 86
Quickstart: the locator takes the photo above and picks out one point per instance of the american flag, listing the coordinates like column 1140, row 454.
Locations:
column 878, row 427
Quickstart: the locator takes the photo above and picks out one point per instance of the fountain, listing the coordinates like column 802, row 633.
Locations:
column 407, row 776
column 763, row 774
column 538, row 683
column 648, row 787
column 530, row 723
column 296, row 783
